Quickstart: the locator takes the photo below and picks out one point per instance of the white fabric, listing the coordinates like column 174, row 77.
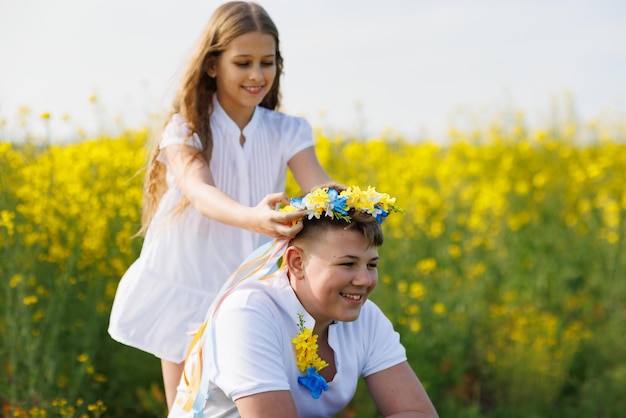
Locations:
column 184, row 261
column 254, row 353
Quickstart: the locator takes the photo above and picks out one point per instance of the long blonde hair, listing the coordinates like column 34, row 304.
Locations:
column 194, row 98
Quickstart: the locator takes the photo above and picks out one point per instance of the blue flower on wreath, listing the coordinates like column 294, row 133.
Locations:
column 336, row 204
column 313, row 382
column 380, row 214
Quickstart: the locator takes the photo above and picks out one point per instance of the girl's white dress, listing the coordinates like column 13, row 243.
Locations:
column 167, row 291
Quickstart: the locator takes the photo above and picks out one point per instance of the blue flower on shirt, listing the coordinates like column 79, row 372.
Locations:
column 313, row 382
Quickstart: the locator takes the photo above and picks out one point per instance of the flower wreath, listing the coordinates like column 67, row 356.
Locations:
column 329, row 202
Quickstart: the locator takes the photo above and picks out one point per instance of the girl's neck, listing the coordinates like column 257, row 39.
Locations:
column 241, row 116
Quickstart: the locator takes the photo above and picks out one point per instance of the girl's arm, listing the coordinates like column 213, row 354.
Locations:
column 307, row 170
column 277, row 404
column 197, row 184
column 398, row 393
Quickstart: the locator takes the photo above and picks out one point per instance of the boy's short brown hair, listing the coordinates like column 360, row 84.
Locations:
column 361, row 222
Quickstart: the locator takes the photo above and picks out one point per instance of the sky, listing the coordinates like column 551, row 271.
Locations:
column 361, row 67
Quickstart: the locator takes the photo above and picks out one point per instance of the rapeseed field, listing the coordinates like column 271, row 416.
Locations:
column 505, row 275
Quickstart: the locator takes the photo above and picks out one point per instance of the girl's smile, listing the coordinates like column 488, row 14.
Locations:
column 244, row 73
column 254, row 90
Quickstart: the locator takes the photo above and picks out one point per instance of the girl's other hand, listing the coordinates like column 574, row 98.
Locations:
column 269, row 221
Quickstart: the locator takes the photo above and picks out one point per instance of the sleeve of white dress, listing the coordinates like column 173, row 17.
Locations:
column 248, row 346
column 297, row 136
column 176, row 132
column 384, row 349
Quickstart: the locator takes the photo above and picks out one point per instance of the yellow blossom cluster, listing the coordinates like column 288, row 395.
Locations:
column 305, row 345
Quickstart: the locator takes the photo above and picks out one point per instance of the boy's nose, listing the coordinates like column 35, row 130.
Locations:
column 364, row 277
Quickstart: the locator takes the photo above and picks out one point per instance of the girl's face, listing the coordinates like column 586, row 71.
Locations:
column 244, row 74
column 339, row 271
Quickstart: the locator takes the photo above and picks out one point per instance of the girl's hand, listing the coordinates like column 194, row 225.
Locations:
column 269, row 221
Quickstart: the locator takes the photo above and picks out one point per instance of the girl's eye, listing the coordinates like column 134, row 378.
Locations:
column 242, row 64
column 268, row 63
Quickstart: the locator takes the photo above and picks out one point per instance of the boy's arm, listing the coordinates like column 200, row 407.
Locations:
column 398, row 392
column 277, row 404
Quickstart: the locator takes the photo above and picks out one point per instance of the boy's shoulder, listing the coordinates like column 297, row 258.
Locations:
column 256, row 293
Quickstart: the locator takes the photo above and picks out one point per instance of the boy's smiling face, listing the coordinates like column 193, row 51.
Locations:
column 333, row 274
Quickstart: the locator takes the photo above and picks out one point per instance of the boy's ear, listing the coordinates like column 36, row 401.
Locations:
column 294, row 257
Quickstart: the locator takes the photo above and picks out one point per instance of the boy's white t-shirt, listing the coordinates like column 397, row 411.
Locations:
column 184, row 261
column 253, row 352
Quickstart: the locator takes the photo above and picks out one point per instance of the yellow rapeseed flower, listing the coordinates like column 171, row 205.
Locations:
column 38, row 315
column 415, row 325
column 7, row 219
column 439, row 308
column 30, row 300
column 99, row 377
column 417, row 290
column 97, row 407
column 413, row 309
column 454, row 251
column 15, row 280
column 426, row 266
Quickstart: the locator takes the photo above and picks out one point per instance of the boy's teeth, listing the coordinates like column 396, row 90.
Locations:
column 354, row 297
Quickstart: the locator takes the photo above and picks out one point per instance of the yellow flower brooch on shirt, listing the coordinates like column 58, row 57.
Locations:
column 308, row 361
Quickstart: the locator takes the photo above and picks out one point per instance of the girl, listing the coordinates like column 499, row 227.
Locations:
column 213, row 182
